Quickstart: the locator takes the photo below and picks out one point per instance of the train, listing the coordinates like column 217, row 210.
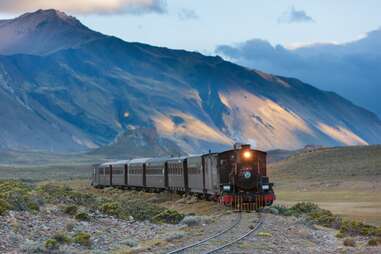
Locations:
column 236, row 177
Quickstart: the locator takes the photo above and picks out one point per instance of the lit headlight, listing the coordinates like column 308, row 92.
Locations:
column 226, row 187
column 247, row 155
column 265, row 187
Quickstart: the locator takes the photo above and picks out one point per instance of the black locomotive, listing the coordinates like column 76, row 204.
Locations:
column 235, row 177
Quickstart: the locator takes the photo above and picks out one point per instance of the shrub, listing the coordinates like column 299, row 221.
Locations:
column 30, row 246
column 4, row 206
column 340, row 235
column 83, row 239
column 175, row 235
column 16, row 195
column 55, row 193
column 71, row 210
column 82, row 216
column 168, row 216
column 357, row 228
column 304, row 207
column 139, row 210
column 282, row 210
column 374, row 242
column 110, row 208
column 62, row 238
column 192, row 220
column 51, row 244
column 349, row 242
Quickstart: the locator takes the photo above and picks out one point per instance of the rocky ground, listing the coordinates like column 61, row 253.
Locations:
column 25, row 232
column 96, row 225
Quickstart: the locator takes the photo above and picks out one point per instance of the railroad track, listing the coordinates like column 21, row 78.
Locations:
column 195, row 247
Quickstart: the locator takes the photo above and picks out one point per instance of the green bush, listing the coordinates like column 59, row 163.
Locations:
column 83, row 239
column 4, row 207
column 110, row 208
column 71, row 210
column 374, row 242
column 82, row 216
column 51, row 244
column 16, row 195
column 55, row 193
column 283, row 210
column 168, row 216
column 357, row 228
column 62, row 238
column 304, row 207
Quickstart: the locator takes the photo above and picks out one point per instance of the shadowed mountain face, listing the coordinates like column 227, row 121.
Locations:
column 89, row 94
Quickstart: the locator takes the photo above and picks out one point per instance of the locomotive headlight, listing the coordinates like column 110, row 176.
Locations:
column 226, row 187
column 247, row 155
column 265, row 187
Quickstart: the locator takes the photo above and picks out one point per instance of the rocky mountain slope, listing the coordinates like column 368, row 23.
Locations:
column 42, row 32
column 87, row 93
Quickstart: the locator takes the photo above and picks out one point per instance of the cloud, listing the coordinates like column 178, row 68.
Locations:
column 136, row 7
column 187, row 14
column 350, row 69
column 294, row 16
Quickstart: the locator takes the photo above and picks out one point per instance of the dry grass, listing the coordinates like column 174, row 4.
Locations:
column 346, row 181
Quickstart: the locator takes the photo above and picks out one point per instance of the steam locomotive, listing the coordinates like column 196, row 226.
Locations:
column 235, row 177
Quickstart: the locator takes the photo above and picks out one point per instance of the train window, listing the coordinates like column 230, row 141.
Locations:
column 117, row 171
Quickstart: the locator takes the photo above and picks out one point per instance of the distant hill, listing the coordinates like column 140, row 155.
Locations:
column 72, row 89
column 330, row 163
column 142, row 142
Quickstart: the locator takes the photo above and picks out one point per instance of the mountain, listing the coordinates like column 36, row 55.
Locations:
column 92, row 93
column 43, row 32
column 351, row 69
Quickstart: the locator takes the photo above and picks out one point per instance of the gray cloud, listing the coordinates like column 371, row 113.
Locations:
column 350, row 69
column 187, row 14
column 136, row 7
column 294, row 16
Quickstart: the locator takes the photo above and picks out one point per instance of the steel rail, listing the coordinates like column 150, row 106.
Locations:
column 237, row 239
column 209, row 238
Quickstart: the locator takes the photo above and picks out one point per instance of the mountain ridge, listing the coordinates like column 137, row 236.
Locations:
column 86, row 96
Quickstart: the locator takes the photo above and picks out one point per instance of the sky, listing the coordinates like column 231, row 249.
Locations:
column 202, row 25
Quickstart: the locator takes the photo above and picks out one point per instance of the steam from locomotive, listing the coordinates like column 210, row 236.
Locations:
column 236, row 176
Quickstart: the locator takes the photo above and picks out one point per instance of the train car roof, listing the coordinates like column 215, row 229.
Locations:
column 194, row 155
column 139, row 160
column 159, row 159
column 177, row 158
column 121, row 162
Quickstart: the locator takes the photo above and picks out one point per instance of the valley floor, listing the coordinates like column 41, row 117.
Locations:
column 354, row 199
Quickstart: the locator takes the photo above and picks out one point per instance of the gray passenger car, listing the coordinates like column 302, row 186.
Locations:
column 110, row 174
column 177, row 175
column 156, row 173
column 195, row 174
column 119, row 170
column 136, row 172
